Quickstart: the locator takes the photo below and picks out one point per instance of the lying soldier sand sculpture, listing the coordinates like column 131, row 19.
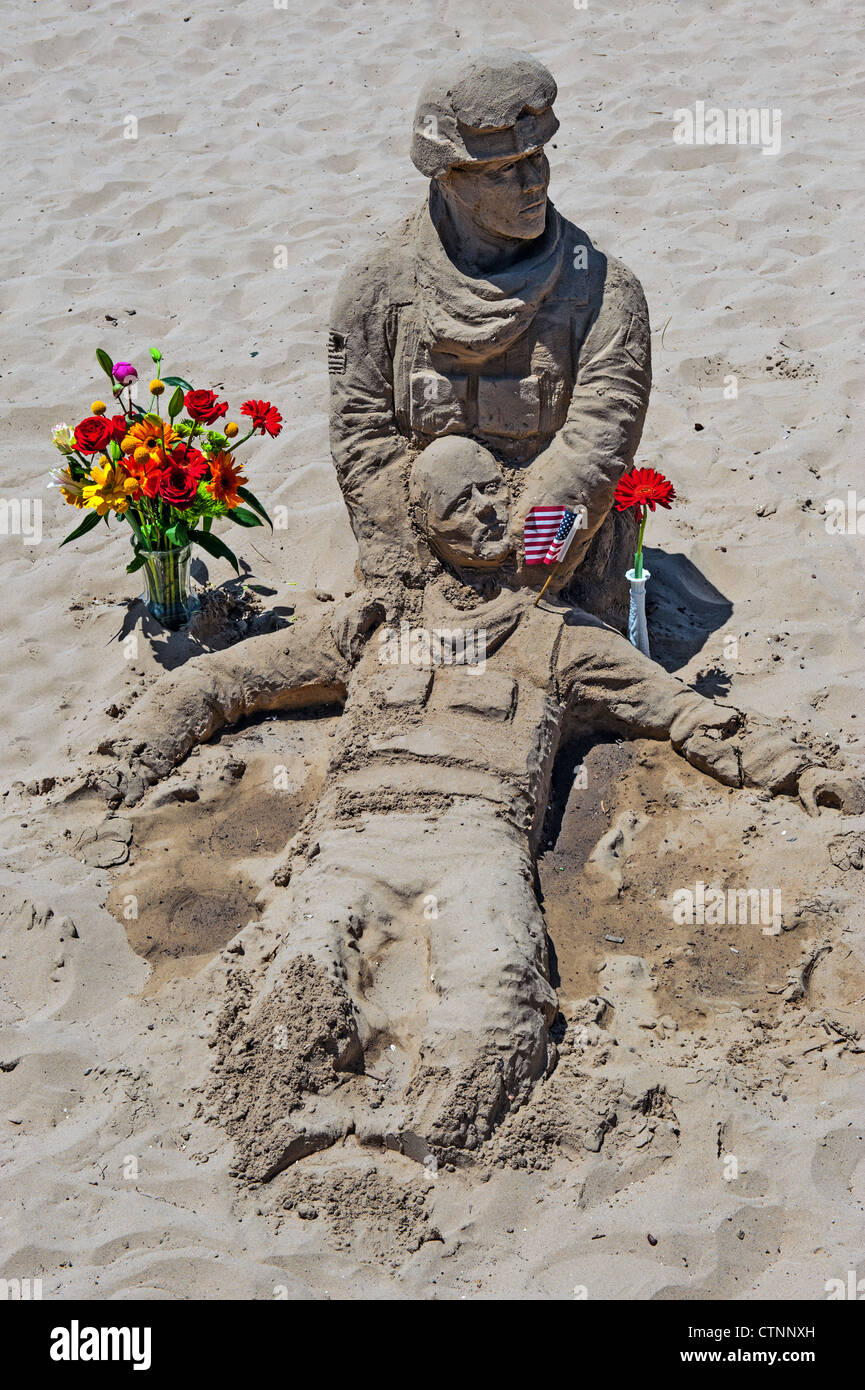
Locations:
column 410, row 909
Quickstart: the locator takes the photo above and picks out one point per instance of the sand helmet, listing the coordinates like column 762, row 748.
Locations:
column 483, row 106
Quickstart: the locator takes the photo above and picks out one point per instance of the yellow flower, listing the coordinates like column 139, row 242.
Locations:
column 111, row 488
column 151, row 435
column 71, row 488
column 230, row 430
column 157, row 387
column 98, row 408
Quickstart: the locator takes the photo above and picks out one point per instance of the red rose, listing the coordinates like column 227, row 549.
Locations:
column 93, row 434
column 204, row 407
column 177, row 486
column 119, row 427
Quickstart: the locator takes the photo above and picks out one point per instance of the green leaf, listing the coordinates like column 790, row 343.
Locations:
column 241, row 517
column 177, row 381
column 131, row 516
column 254, row 503
column 214, row 546
column 177, row 535
column 91, row 520
column 135, row 564
column 105, row 363
column 175, row 405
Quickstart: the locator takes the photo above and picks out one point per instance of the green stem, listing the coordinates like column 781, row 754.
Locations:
column 638, row 558
column 84, row 463
column 134, row 522
column 147, row 511
column 237, row 443
column 195, row 425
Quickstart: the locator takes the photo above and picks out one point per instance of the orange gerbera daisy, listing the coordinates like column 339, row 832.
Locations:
column 225, row 479
column 143, row 470
column 149, row 440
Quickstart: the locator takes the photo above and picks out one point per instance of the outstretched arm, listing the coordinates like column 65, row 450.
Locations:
column 306, row 664
column 608, row 683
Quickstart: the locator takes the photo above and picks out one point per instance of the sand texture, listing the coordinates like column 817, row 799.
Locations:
column 691, row 1123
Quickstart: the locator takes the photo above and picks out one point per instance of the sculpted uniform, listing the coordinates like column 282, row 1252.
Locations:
column 546, row 363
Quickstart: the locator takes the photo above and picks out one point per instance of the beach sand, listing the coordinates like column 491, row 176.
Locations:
column 270, row 149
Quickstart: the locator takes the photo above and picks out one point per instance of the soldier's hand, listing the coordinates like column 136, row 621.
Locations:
column 823, row 786
column 355, row 619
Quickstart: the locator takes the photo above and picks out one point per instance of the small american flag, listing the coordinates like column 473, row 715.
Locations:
column 549, row 532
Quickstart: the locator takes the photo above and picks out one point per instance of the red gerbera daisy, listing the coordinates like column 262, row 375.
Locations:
column 264, row 416
column 643, row 487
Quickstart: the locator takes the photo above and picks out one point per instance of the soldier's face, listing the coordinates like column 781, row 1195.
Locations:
column 506, row 198
column 470, row 527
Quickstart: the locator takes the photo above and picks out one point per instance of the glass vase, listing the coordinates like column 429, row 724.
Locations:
column 168, row 598
column 638, row 632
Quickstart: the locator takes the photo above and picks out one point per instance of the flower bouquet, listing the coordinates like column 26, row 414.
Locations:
column 169, row 476
column 644, row 489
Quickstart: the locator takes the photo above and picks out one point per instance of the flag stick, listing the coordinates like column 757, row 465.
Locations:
column 543, row 591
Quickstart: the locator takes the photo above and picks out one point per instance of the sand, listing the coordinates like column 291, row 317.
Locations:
column 683, row 1047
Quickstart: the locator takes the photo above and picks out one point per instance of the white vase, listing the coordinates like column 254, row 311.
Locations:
column 638, row 633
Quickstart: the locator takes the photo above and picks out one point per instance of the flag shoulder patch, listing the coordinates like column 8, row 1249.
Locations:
column 336, row 353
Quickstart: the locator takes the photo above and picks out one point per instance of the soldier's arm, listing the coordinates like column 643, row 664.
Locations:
column 370, row 455
column 607, row 683
column 306, row 664
column 600, row 436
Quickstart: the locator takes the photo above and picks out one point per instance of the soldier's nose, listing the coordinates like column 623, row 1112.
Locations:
column 532, row 177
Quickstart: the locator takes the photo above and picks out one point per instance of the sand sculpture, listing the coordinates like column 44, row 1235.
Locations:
column 487, row 358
